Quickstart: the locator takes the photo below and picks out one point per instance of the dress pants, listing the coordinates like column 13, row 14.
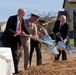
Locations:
column 36, row 45
column 26, row 46
column 64, row 55
column 15, row 58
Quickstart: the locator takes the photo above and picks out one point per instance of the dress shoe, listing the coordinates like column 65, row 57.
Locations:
column 16, row 73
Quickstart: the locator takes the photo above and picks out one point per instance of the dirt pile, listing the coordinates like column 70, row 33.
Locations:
column 52, row 68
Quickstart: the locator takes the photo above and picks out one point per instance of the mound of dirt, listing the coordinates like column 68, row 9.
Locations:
column 52, row 68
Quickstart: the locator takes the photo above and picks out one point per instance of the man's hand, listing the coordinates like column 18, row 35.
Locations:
column 36, row 39
column 40, row 41
column 65, row 40
column 17, row 33
column 32, row 37
column 58, row 33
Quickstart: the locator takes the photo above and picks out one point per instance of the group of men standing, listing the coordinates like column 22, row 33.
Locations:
column 36, row 29
column 13, row 37
column 33, row 28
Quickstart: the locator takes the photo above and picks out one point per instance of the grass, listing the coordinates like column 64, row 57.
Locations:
column 45, row 47
column 72, row 42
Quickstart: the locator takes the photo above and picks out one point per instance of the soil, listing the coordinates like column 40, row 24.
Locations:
column 50, row 67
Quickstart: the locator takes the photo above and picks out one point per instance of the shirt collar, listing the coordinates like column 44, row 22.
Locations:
column 17, row 18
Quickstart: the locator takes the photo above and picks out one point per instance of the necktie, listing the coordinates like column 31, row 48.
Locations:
column 20, row 28
column 60, row 27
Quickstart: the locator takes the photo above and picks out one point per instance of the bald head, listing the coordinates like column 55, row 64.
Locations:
column 63, row 18
column 21, row 13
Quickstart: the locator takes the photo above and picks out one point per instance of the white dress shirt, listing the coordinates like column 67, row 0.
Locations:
column 18, row 22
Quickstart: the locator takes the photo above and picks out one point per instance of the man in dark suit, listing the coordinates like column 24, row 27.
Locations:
column 10, row 39
column 61, row 28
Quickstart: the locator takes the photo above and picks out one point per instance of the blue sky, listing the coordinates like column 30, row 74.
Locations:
column 10, row 7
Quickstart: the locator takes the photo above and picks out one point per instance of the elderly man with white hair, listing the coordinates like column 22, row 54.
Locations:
column 61, row 28
column 12, row 34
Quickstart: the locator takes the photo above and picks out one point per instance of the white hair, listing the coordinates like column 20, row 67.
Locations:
column 63, row 16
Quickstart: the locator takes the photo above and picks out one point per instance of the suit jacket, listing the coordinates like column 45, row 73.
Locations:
column 7, row 37
column 64, row 31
